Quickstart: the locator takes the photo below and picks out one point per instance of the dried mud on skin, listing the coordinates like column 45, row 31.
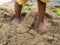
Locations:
column 24, row 33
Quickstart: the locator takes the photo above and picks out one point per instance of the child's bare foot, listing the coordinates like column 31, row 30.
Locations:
column 16, row 20
column 42, row 28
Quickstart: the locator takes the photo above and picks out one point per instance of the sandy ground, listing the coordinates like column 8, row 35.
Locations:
column 25, row 33
column 4, row 1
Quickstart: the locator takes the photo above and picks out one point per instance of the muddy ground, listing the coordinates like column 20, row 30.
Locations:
column 25, row 33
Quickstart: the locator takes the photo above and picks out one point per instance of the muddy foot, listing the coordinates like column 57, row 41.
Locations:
column 16, row 20
column 42, row 28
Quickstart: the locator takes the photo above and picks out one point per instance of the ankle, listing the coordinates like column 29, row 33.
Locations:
column 17, row 16
column 41, row 23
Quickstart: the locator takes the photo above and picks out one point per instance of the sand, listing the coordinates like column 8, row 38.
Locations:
column 25, row 33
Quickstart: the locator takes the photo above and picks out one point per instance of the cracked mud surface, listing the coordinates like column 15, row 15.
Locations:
column 25, row 32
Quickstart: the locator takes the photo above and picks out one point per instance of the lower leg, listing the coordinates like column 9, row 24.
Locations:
column 41, row 10
column 18, row 9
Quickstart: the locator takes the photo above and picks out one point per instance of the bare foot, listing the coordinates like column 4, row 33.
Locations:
column 16, row 20
column 42, row 28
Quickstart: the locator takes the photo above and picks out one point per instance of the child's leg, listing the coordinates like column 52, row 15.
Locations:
column 18, row 9
column 41, row 9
